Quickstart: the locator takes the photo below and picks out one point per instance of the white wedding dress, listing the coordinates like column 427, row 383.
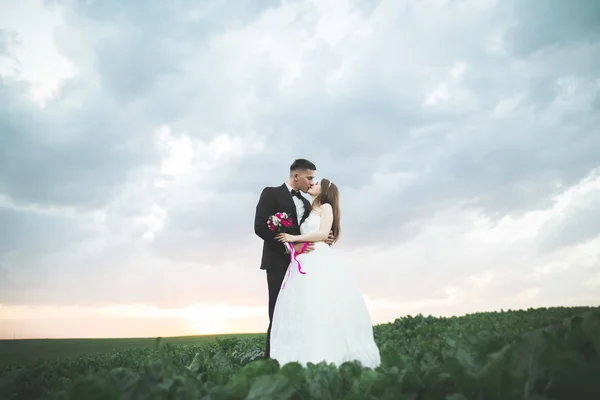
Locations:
column 321, row 315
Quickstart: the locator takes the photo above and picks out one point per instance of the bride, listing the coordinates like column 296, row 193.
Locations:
column 320, row 314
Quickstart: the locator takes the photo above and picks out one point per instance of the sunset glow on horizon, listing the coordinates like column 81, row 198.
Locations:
column 138, row 321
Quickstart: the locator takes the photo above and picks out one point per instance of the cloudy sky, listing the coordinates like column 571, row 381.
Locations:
column 135, row 138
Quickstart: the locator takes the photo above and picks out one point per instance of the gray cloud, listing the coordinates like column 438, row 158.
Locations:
column 68, row 156
column 4, row 41
column 33, row 234
column 551, row 23
column 193, row 234
column 578, row 224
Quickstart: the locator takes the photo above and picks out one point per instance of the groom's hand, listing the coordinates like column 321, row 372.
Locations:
column 329, row 239
column 298, row 247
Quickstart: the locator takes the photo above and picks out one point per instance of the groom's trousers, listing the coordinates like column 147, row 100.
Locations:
column 274, row 280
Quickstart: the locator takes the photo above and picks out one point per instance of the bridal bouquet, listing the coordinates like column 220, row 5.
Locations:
column 278, row 223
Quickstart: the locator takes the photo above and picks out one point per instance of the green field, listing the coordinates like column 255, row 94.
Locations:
column 551, row 353
column 30, row 350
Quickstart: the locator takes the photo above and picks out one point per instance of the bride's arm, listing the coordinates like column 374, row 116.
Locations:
column 319, row 236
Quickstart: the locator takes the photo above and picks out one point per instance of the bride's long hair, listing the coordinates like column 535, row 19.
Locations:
column 330, row 195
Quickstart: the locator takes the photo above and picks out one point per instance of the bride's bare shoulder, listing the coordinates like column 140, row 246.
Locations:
column 321, row 208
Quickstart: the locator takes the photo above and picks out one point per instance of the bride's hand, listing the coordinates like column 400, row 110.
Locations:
column 283, row 237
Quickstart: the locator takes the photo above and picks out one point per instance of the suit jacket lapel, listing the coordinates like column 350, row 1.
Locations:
column 287, row 196
column 307, row 208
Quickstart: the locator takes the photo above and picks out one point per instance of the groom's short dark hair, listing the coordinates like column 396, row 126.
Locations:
column 302, row 163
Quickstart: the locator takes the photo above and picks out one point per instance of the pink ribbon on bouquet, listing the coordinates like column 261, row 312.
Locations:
column 292, row 259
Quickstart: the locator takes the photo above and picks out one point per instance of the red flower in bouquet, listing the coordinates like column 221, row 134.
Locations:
column 278, row 222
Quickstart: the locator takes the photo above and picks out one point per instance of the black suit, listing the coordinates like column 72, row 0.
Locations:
column 274, row 259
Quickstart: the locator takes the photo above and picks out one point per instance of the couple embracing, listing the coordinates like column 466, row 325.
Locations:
column 316, row 312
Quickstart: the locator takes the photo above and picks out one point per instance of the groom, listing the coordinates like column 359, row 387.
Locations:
column 285, row 198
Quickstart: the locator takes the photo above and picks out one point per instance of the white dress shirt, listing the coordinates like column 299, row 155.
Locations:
column 297, row 202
